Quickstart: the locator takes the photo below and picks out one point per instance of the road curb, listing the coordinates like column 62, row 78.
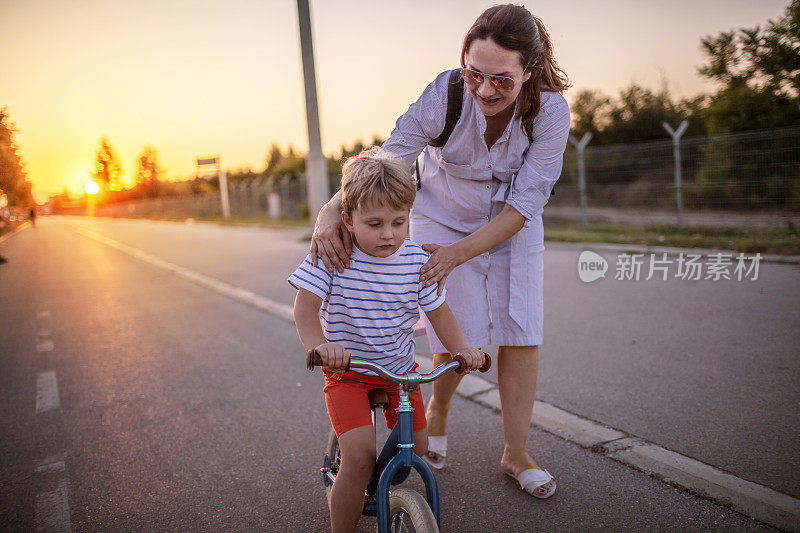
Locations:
column 14, row 231
column 669, row 250
column 748, row 498
column 745, row 497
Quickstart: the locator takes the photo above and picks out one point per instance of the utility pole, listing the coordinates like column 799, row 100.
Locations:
column 316, row 166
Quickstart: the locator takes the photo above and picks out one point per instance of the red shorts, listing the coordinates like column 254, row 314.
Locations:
column 347, row 399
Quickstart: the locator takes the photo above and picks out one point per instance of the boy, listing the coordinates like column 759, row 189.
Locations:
column 368, row 311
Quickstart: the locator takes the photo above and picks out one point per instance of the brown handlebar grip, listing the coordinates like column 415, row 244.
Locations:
column 487, row 364
column 313, row 358
column 462, row 362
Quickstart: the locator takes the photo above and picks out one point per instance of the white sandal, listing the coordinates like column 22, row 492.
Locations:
column 437, row 446
column 533, row 478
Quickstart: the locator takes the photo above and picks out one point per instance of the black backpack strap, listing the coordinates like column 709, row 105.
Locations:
column 455, row 98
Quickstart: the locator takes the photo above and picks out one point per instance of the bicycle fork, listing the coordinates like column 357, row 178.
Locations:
column 390, row 463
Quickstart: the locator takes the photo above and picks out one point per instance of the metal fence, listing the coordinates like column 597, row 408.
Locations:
column 743, row 179
column 281, row 198
column 747, row 173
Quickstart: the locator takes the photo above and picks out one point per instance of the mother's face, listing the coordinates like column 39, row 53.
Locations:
column 488, row 57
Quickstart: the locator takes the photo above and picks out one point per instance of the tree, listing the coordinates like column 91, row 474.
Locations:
column 758, row 71
column 107, row 167
column 12, row 170
column 273, row 158
column 636, row 114
column 289, row 163
column 148, row 171
column 589, row 110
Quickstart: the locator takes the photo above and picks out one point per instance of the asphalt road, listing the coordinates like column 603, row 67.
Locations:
column 179, row 409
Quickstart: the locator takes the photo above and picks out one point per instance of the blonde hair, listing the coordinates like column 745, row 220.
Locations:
column 370, row 178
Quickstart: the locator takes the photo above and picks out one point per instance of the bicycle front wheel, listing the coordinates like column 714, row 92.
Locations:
column 409, row 513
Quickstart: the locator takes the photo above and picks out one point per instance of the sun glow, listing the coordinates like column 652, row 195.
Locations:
column 91, row 187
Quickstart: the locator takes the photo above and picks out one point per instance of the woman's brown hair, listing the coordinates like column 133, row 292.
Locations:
column 515, row 28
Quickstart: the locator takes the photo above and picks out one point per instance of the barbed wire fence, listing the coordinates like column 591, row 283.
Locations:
column 749, row 179
column 753, row 175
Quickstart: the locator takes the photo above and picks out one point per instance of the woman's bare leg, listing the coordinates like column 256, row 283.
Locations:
column 439, row 404
column 517, row 373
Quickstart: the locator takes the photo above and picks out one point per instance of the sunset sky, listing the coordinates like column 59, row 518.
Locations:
column 198, row 77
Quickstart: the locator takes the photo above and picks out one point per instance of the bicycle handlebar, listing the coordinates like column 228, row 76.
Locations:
column 459, row 364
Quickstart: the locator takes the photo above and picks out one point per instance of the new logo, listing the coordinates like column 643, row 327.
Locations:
column 591, row 266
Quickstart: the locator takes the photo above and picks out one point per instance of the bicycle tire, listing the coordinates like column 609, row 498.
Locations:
column 332, row 450
column 409, row 513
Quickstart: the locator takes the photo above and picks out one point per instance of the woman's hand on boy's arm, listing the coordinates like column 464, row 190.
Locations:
column 444, row 259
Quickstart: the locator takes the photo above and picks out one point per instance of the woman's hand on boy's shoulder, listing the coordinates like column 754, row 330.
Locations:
column 442, row 261
column 334, row 356
column 474, row 357
column 331, row 241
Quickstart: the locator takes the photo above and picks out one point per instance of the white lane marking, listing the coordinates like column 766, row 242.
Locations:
column 573, row 428
column 231, row 291
column 52, row 509
column 58, row 458
column 45, row 345
column 57, row 466
column 47, row 391
column 41, row 315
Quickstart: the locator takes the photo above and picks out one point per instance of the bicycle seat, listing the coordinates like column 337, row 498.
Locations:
column 378, row 398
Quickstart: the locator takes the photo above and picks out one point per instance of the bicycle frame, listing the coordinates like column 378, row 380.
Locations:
column 397, row 457
column 394, row 464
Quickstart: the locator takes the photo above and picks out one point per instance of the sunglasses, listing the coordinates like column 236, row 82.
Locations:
column 474, row 77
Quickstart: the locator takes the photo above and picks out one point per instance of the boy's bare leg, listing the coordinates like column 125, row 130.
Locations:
column 357, row 447
column 439, row 404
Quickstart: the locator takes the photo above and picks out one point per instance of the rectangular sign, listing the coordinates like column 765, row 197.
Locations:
column 209, row 161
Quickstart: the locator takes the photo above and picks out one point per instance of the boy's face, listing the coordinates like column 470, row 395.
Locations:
column 378, row 229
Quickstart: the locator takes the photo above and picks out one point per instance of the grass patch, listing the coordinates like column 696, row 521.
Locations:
column 784, row 241
column 9, row 227
column 264, row 222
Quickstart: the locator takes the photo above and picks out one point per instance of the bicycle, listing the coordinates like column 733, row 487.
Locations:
column 402, row 509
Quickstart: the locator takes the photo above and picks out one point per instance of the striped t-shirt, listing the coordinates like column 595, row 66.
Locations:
column 371, row 307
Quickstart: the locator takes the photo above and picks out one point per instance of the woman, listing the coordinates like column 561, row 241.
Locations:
column 479, row 209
